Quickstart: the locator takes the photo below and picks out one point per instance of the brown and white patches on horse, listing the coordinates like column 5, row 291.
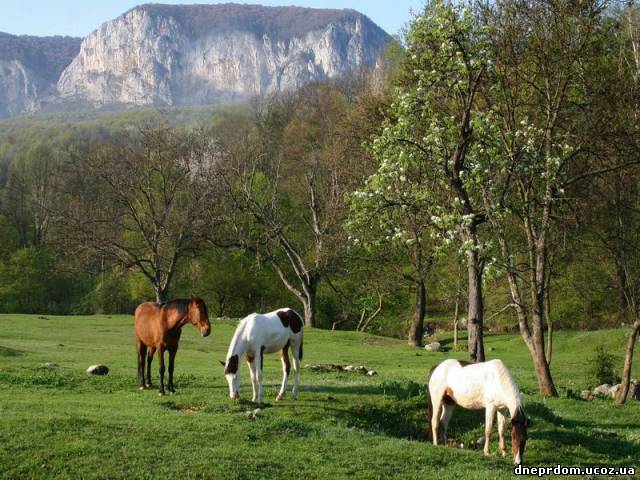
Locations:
column 290, row 319
column 284, row 355
column 448, row 397
column 232, row 365
column 250, row 357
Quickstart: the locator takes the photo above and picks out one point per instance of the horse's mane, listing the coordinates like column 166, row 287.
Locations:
column 519, row 416
column 182, row 305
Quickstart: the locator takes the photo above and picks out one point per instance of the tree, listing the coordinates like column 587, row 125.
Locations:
column 140, row 201
column 540, row 105
column 30, row 192
column 430, row 123
column 393, row 211
column 285, row 180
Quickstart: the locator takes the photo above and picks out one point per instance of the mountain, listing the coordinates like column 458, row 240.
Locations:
column 30, row 68
column 175, row 55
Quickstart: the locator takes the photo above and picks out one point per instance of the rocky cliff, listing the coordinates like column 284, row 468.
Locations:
column 199, row 54
column 29, row 70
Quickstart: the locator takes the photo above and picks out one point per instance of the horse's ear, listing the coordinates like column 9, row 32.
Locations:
column 527, row 422
column 193, row 298
column 222, row 363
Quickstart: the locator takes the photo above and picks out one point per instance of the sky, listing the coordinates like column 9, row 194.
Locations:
column 78, row 18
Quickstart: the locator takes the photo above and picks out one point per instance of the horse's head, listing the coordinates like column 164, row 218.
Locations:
column 232, row 375
column 519, row 424
column 199, row 316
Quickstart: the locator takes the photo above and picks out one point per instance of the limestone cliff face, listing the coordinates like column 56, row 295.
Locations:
column 29, row 70
column 199, row 54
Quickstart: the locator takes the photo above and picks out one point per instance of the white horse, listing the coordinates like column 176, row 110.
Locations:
column 258, row 334
column 487, row 385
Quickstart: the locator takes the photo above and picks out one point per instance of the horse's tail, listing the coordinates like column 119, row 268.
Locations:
column 429, row 404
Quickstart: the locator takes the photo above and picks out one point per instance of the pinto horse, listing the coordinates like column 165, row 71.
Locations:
column 487, row 385
column 158, row 327
column 258, row 334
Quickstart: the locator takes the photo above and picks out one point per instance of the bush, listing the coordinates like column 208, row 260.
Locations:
column 604, row 368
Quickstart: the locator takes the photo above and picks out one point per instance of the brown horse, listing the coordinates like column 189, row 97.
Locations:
column 158, row 327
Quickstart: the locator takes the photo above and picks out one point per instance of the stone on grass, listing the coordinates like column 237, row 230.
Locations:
column 433, row 347
column 49, row 365
column 602, row 390
column 97, row 369
column 586, row 395
column 253, row 414
column 613, row 391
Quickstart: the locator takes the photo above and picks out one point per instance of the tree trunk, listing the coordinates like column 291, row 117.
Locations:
column 548, row 319
column 309, row 302
column 475, row 312
column 543, row 373
column 623, row 305
column 628, row 361
column 456, row 318
column 417, row 325
column 161, row 294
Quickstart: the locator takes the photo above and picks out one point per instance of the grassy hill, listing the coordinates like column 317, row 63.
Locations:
column 61, row 423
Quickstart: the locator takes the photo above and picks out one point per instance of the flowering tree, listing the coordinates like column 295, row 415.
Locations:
column 536, row 110
column 430, row 132
column 393, row 211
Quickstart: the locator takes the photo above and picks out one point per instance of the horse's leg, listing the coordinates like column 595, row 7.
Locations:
column 286, row 368
column 161, row 369
column 435, row 417
column 142, row 356
column 489, row 416
column 151, row 351
column 295, row 352
column 501, row 422
column 172, row 359
column 447, row 411
column 258, row 366
column 254, row 377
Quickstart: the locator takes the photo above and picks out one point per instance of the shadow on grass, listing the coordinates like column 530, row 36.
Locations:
column 398, row 419
column 347, row 389
column 10, row 352
column 568, row 432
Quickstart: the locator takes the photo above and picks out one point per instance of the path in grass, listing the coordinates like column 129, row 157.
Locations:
column 61, row 423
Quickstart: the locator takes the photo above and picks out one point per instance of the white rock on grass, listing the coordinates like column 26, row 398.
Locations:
column 586, row 395
column 50, row 365
column 97, row 370
column 613, row 391
column 433, row 347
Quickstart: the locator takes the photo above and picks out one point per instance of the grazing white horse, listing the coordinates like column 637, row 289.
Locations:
column 258, row 334
column 487, row 385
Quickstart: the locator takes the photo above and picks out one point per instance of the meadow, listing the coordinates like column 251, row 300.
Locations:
column 61, row 423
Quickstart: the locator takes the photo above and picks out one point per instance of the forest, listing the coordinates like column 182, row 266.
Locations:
column 485, row 178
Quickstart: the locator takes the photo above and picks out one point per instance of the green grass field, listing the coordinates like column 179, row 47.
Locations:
column 63, row 424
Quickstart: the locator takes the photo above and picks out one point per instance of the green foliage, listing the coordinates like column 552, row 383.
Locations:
column 604, row 366
column 30, row 283
column 61, row 421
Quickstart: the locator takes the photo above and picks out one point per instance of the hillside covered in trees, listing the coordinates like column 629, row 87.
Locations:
column 490, row 173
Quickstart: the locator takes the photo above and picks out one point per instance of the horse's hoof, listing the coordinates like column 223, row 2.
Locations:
column 141, row 387
column 487, row 454
column 161, row 394
column 279, row 397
